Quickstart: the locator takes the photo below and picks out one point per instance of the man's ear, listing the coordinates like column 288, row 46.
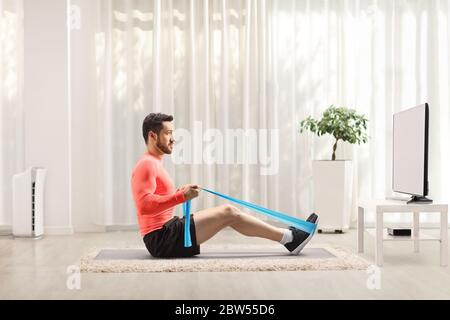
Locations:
column 152, row 135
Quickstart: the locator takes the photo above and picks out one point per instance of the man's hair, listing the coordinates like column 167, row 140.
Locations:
column 153, row 122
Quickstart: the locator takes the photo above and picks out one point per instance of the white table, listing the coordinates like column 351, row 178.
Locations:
column 381, row 206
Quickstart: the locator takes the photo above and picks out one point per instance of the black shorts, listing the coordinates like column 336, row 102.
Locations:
column 168, row 242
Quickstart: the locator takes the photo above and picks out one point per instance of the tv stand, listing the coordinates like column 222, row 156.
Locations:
column 419, row 199
column 382, row 206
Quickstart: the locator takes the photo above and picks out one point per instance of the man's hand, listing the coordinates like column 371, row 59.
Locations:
column 191, row 191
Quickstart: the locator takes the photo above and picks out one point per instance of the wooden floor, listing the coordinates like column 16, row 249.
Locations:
column 37, row 269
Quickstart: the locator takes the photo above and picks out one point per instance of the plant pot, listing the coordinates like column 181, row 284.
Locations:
column 333, row 194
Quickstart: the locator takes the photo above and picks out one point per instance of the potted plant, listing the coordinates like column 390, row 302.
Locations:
column 333, row 179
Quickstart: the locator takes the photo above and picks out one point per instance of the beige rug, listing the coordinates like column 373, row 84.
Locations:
column 223, row 258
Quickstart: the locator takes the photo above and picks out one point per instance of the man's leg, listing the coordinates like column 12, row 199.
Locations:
column 210, row 221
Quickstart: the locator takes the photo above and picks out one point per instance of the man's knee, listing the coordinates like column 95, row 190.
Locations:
column 230, row 213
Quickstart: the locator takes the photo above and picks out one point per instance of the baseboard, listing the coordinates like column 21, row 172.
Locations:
column 98, row 228
column 122, row 228
column 58, row 230
column 89, row 228
column 423, row 225
column 5, row 230
column 92, row 228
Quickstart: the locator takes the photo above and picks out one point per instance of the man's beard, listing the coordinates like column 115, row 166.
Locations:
column 162, row 147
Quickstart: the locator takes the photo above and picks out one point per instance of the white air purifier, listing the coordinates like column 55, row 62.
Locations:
column 28, row 203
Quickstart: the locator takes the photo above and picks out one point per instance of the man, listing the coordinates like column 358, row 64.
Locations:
column 155, row 198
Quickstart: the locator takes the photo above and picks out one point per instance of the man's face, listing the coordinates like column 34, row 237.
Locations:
column 165, row 140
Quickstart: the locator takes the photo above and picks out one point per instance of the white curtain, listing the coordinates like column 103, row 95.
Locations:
column 11, row 106
column 260, row 64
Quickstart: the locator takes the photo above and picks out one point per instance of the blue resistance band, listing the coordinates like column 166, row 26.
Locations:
column 303, row 225
column 187, row 223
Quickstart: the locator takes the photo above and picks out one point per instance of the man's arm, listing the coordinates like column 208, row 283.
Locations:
column 144, row 186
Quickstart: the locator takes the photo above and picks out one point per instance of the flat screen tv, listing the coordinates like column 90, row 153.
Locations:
column 410, row 153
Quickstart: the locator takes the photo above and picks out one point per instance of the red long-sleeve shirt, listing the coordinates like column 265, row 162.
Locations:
column 154, row 194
